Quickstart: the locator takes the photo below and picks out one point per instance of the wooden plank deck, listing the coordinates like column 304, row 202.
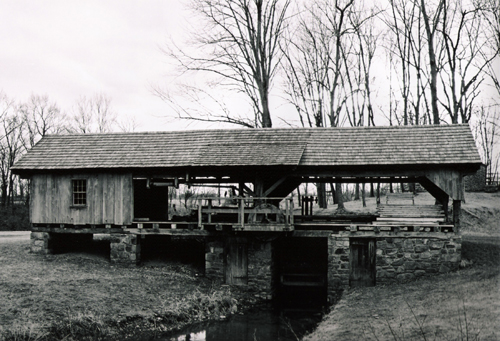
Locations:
column 405, row 215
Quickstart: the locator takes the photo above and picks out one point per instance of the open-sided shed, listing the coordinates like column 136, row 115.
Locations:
column 92, row 182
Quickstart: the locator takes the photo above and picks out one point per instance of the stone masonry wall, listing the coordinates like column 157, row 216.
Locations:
column 476, row 182
column 40, row 243
column 259, row 269
column 405, row 259
column 259, row 265
column 214, row 259
column 125, row 249
column 338, row 266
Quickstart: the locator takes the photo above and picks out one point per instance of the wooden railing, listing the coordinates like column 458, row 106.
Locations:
column 249, row 210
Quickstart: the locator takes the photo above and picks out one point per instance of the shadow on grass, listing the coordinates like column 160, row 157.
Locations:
column 481, row 253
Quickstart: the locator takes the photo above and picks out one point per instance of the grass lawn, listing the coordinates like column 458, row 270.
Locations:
column 461, row 306
column 464, row 305
column 81, row 296
column 78, row 296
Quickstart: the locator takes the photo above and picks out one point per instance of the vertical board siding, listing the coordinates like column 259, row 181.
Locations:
column 450, row 181
column 109, row 199
column 128, row 198
column 37, row 191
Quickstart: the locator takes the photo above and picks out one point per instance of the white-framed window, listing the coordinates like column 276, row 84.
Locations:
column 79, row 192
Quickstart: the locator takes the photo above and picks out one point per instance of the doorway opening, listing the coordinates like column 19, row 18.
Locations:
column 300, row 273
column 150, row 202
column 362, row 261
column 186, row 254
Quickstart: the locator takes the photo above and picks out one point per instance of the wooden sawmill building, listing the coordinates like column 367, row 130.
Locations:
column 118, row 184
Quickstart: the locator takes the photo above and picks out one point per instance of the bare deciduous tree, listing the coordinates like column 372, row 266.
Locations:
column 40, row 117
column 431, row 22
column 10, row 145
column 327, row 62
column 239, row 46
column 408, row 60
column 93, row 115
column 486, row 129
column 464, row 40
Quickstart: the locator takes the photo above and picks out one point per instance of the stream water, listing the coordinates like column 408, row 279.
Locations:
column 257, row 325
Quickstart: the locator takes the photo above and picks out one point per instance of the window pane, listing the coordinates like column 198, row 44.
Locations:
column 80, row 192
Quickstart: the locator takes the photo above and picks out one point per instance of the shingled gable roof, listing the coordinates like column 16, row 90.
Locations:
column 360, row 146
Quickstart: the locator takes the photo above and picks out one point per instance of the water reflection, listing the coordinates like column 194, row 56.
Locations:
column 200, row 336
column 262, row 325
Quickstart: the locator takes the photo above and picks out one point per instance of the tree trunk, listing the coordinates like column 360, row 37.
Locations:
column 334, row 194
column 411, row 187
column 356, row 192
column 266, row 115
column 338, row 194
column 372, row 191
column 322, row 201
column 4, row 194
column 363, row 195
column 432, row 60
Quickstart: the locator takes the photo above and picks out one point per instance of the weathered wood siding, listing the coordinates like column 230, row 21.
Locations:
column 109, row 199
column 449, row 180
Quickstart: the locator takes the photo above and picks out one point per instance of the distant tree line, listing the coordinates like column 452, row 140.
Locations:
column 24, row 123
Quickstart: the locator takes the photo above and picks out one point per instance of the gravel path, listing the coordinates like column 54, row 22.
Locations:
column 8, row 236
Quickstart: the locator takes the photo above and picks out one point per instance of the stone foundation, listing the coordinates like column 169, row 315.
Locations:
column 259, row 262
column 338, row 266
column 214, row 260
column 47, row 243
column 125, row 249
column 40, row 243
column 398, row 259
column 476, row 182
column 405, row 259
column 259, row 269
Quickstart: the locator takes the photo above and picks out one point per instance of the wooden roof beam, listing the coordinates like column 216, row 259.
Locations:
column 274, row 186
column 354, row 180
column 449, row 181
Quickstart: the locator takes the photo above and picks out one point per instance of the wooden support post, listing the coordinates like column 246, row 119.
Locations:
column 200, row 226
column 258, row 187
column 457, row 206
column 378, row 193
column 287, row 213
column 241, row 189
column 210, row 207
column 241, row 214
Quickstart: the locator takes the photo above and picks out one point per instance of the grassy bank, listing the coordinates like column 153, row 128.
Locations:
column 464, row 305
column 78, row 296
column 81, row 296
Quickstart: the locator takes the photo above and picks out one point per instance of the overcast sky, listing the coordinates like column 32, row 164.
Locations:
column 72, row 48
